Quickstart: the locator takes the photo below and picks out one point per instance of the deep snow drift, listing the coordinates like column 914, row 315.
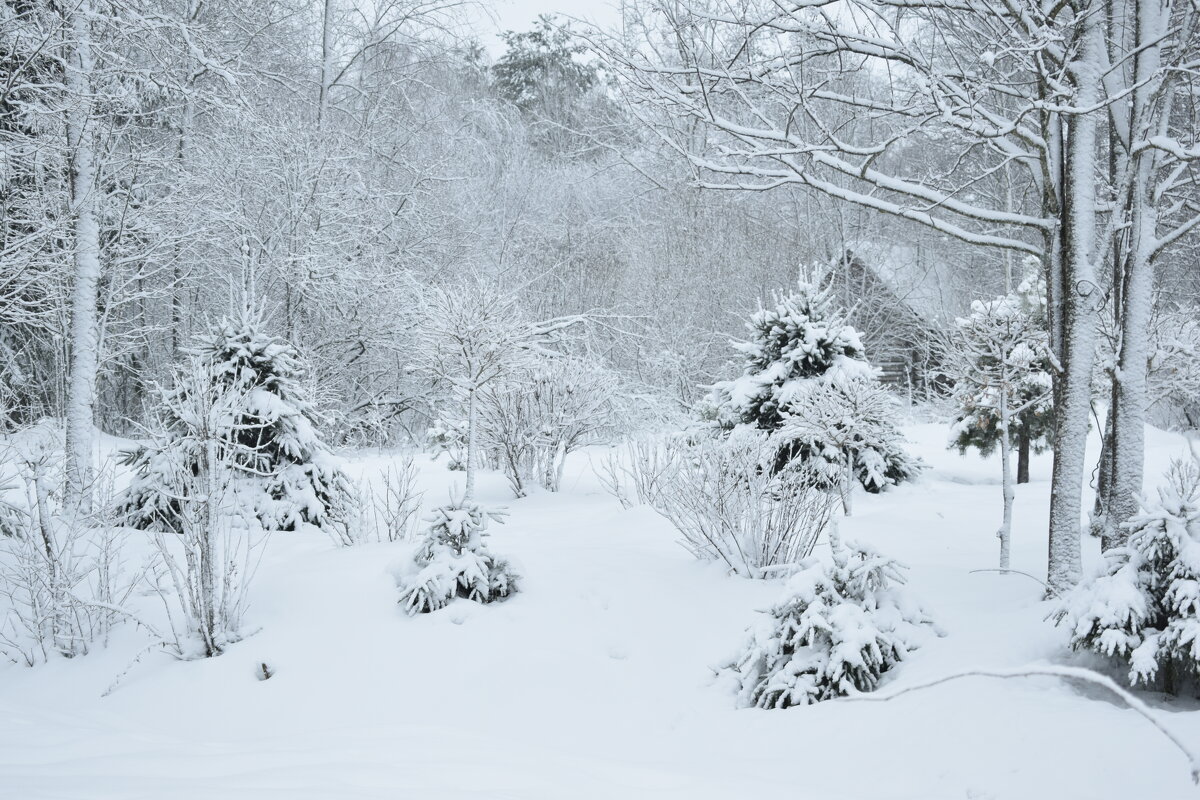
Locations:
column 596, row 680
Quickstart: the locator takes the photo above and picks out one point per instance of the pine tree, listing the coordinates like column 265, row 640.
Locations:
column 287, row 476
column 1143, row 607
column 454, row 561
column 836, row 631
column 800, row 361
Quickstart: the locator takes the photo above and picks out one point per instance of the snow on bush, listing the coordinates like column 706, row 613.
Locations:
column 538, row 415
column 836, row 630
column 1143, row 606
column 287, row 476
column 454, row 561
column 805, row 375
column 63, row 579
column 387, row 512
column 845, row 427
column 728, row 502
column 449, row 437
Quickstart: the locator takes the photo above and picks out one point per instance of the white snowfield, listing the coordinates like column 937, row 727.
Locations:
column 596, row 681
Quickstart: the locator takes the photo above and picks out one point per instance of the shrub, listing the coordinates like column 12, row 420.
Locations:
column 836, row 630
column 1142, row 608
column 454, row 561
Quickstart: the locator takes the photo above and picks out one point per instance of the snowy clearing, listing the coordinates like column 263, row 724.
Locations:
column 595, row 680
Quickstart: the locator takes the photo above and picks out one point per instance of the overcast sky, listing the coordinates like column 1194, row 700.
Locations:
column 518, row 15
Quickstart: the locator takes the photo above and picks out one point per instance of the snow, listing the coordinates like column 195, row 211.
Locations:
column 596, row 680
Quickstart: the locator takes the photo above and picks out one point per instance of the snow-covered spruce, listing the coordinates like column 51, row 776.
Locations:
column 803, row 365
column 1143, row 607
column 454, row 561
column 835, row 631
column 288, row 477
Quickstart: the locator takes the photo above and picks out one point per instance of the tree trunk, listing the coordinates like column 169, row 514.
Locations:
column 1006, row 525
column 81, row 389
column 1023, row 447
column 472, row 446
column 326, row 61
column 1078, row 297
column 1129, row 419
column 848, row 482
column 1099, row 519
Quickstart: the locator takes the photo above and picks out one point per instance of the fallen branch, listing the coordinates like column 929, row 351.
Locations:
column 1074, row 673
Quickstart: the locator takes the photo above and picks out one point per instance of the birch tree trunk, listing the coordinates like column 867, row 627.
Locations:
column 472, row 445
column 1078, row 289
column 1005, row 532
column 1129, row 397
column 81, row 390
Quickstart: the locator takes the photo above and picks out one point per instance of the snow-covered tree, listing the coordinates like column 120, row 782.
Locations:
column 800, row 337
column 835, row 631
column 1003, row 359
column 454, row 561
column 287, row 476
column 475, row 334
column 1142, row 608
column 1003, row 385
column 991, row 135
column 845, row 427
column 806, row 376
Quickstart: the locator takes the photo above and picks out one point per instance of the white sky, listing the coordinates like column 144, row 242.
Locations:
column 495, row 16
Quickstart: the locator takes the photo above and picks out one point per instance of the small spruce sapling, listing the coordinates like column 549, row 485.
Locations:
column 836, row 631
column 454, row 561
column 1142, row 608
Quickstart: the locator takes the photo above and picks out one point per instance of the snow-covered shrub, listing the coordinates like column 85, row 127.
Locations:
column 800, row 353
column 637, row 472
column 286, row 475
column 454, row 561
column 531, row 421
column 205, row 461
column 384, row 513
column 728, row 502
column 836, row 630
column 63, row 579
column 1143, row 606
column 449, row 437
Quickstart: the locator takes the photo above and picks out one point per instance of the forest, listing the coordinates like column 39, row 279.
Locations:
column 736, row 396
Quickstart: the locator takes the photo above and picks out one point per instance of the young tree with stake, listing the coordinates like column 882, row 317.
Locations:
column 1003, row 384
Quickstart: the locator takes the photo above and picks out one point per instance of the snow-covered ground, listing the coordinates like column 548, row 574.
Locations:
column 596, row 681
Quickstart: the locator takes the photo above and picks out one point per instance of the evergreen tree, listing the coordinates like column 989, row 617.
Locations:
column 287, row 476
column 539, row 73
column 805, row 375
column 836, row 630
column 454, row 561
column 1143, row 607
